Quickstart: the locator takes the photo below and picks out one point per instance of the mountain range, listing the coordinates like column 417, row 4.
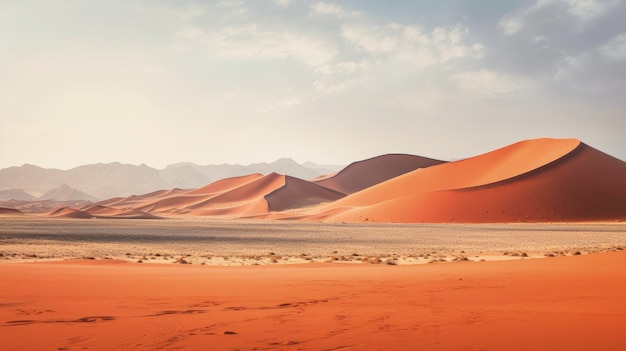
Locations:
column 103, row 181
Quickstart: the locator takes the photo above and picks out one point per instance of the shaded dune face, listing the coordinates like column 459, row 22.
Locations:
column 66, row 212
column 9, row 212
column 364, row 174
column 561, row 180
column 296, row 193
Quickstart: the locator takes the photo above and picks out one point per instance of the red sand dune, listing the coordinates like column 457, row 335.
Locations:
column 67, row 212
column 570, row 303
column 139, row 199
column 363, row 174
column 535, row 180
column 273, row 192
column 538, row 180
column 223, row 185
column 4, row 211
column 250, row 195
column 296, row 193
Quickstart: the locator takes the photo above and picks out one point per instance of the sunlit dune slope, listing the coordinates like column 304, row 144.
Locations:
column 536, row 180
column 363, row 174
column 273, row 192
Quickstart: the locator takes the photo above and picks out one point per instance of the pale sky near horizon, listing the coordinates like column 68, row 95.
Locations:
column 161, row 82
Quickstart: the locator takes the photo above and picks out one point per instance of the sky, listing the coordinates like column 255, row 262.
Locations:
column 161, row 82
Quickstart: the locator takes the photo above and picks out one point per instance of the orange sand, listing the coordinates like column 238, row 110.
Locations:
column 564, row 303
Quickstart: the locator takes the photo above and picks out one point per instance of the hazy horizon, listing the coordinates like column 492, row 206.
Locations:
column 332, row 82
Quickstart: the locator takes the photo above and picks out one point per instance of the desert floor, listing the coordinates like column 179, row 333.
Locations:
column 333, row 301
column 251, row 242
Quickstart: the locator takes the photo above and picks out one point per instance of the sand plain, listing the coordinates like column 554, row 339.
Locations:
column 219, row 241
column 561, row 303
column 75, row 284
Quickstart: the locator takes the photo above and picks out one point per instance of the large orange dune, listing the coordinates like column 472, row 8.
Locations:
column 363, row 174
column 539, row 180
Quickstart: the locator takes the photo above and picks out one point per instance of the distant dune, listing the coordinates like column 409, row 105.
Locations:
column 363, row 174
column 540, row 180
column 9, row 212
column 249, row 195
column 66, row 212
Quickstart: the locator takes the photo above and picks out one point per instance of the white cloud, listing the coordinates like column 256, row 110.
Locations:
column 512, row 23
column 370, row 39
column 326, row 8
column 340, row 76
column 345, row 67
column 190, row 11
column 283, row 3
column 587, row 9
column 582, row 10
column 251, row 42
column 411, row 44
column 615, row 49
column 232, row 9
column 489, row 84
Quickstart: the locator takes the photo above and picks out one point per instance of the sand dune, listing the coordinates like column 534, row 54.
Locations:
column 273, row 192
column 536, row 180
column 67, row 212
column 249, row 195
column 540, row 180
column 4, row 211
column 363, row 174
column 223, row 185
column 100, row 211
column 297, row 193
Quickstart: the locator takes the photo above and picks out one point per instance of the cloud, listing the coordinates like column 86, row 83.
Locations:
column 552, row 10
column 588, row 9
column 325, row 8
column 252, row 42
column 489, row 84
column 411, row 44
column 283, row 3
column 615, row 49
column 232, row 9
